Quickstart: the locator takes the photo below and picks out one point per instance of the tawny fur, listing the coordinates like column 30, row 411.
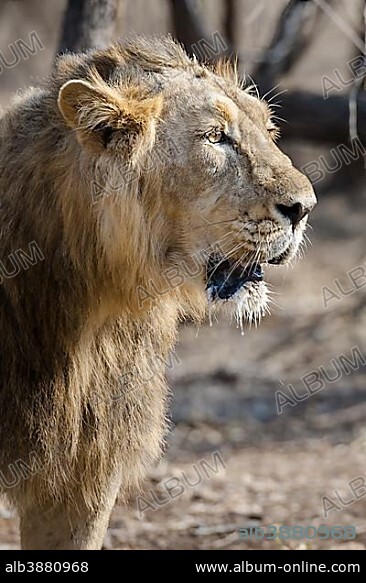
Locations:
column 75, row 323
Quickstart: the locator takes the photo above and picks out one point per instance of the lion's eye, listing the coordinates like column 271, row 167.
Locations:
column 217, row 137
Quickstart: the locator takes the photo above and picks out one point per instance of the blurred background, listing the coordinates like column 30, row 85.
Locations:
column 269, row 427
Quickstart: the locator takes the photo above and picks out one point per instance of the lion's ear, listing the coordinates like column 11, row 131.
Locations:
column 105, row 119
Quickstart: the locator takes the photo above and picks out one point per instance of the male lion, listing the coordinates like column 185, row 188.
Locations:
column 153, row 187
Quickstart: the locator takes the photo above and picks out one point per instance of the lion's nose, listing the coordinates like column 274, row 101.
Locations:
column 295, row 213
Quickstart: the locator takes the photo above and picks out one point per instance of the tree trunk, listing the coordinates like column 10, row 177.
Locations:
column 311, row 117
column 87, row 24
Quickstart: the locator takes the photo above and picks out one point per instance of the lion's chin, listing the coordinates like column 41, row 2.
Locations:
column 249, row 304
column 241, row 292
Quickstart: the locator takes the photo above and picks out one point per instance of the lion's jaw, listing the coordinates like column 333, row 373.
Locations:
column 234, row 283
column 237, row 282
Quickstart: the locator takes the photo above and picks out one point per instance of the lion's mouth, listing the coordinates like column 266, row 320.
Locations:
column 224, row 279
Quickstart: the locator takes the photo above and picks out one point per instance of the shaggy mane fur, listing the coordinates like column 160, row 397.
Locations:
column 74, row 343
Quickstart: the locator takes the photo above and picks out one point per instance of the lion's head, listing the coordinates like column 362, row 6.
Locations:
column 188, row 175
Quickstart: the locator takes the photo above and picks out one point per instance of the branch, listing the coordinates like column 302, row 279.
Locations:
column 311, row 117
column 190, row 30
column 87, row 24
column 358, row 85
column 187, row 22
column 230, row 21
column 294, row 31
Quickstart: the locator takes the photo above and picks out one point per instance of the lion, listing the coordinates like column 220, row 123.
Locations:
column 154, row 189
